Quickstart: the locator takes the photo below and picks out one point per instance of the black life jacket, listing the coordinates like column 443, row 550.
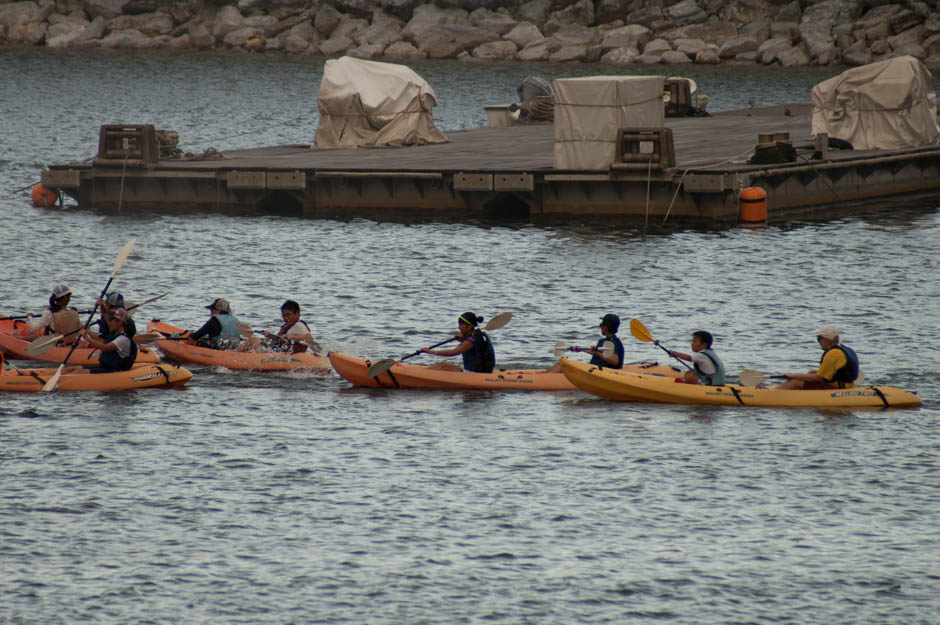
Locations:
column 482, row 358
column 112, row 360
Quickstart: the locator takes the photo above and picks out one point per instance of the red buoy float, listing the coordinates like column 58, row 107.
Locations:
column 752, row 204
column 44, row 197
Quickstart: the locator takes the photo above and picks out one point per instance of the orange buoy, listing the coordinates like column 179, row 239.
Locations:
column 752, row 204
column 44, row 197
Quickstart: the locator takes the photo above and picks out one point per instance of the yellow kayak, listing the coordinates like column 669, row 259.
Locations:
column 627, row 386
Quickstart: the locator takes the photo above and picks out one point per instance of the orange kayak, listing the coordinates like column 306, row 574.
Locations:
column 179, row 350
column 140, row 376
column 418, row 376
column 82, row 356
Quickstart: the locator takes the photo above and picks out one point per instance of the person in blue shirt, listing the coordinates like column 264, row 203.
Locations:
column 707, row 367
column 221, row 331
column 610, row 323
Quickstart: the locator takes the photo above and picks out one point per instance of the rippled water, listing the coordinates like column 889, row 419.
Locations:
column 297, row 499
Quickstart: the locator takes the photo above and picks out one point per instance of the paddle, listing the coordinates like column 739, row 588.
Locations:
column 750, row 377
column 639, row 331
column 247, row 332
column 561, row 347
column 28, row 315
column 382, row 366
column 45, row 343
column 118, row 263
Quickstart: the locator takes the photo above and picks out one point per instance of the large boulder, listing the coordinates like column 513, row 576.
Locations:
column 326, row 19
column 130, row 38
column 108, row 9
column 499, row 23
column 18, row 13
column 686, row 12
column 535, row 11
column 632, row 36
column 524, row 34
column 227, row 20
column 620, row 56
column 150, row 24
column 403, row 51
column 428, row 18
column 495, row 51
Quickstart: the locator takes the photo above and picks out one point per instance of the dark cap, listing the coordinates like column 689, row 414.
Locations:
column 612, row 322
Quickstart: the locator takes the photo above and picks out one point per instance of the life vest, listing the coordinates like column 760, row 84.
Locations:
column 481, row 358
column 597, row 361
column 64, row 322
column 229, row 337
column 112, row 360
column 849, row 372
column 711, row 379
column 294, row 347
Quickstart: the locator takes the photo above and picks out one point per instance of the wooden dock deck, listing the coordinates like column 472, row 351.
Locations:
column 508, row 172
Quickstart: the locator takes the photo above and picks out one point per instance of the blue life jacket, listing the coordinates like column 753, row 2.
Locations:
column 711, row 379
column 618, row 350
column 481, row 358
column 112, row 360
column 229, row 337
column 849, row 372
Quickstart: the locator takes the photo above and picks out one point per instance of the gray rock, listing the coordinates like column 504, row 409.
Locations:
column 499, row 23
column 495, row 51
column 932, row 45
column 200, row 37
column 785, row 30
column 912, row 35
column 648, row 59
column 534, row 53
column 18, row 13
column 575, row 35
column 632, row 36
column 686, row 12
column 675, row 57
column 150, row 24
column 689, row 47
column 793, row 57
column 789, row 13
column 932, row 23
column 403, row 51
column 64, row 34
column 712, row 31
column 383, row 34
column 535, row 12
column 227, row 20
column 580, row 12
column 768, row 51
column 566, row 54
column 108, row 9
column 830, row 12
column 367, row 51
column 913, row 49
column 904, row 20
column 657, row 47
column 746, row 57
column 239, row 36
column 738, row 45
column 327, row 18
column 607, row 11
column 349, row 27
column 708, row 56
column 336, row 46
column 126, row 39
column 620, row 56
column 819, row 44
column 857, row 54
column 295, row 44
column 524, row 34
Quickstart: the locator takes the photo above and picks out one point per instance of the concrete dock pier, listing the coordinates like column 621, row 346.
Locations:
column 694, row 176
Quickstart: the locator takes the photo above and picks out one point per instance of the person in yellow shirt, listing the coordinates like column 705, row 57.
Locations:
column 838, row 367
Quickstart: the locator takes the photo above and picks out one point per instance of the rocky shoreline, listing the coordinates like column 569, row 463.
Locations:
column 617, row 32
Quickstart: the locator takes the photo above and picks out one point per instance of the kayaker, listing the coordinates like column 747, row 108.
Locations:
column 221, row 330
column 610, row 324
column 475, row 347
column 110, row 302
column 58, row 318
column 838, row 367
column 118, row 349
column 707, row 367
column 293, row 336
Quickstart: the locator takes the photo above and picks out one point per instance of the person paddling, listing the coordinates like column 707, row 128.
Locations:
column 58, row 318
column 707, row 367
column 110, row 302
column 118, row 349
column 294, row 336
column 838, row 367
column 221, row 330
column 475, row 347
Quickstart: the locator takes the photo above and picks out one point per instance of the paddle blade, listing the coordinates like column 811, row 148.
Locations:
column 43, row 344
column 560, row 348
column 245, row 330
column 380, row 367
column 608, row 349
column 122, row 256
column 638, row 330
column 147, row 337
column 750, row 377
column 498, row 321
column 861, row 378
column 53, row 381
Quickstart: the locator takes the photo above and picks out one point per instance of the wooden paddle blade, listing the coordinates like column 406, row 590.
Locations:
column 43, row 344
column 380, row 367
column 638, row 330
column 245, row 330
column 147, row 337
column 122, row 256
column 498, row 321
column 750, row 377
column 53, row 381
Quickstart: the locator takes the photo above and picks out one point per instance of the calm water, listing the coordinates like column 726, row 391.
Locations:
column 297, row 499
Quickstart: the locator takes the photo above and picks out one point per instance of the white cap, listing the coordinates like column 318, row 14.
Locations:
column 828, row 333
column 61, row 290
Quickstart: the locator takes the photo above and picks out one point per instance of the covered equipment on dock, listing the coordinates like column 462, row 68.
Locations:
column 372, row 104
column 590, row 111
column 885, row 105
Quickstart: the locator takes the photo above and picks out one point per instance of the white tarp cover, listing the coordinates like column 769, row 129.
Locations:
column 371, row 104
column 590, row 110
column 884, row 105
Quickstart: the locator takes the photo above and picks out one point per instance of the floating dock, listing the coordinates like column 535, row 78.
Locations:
column 692, row 172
